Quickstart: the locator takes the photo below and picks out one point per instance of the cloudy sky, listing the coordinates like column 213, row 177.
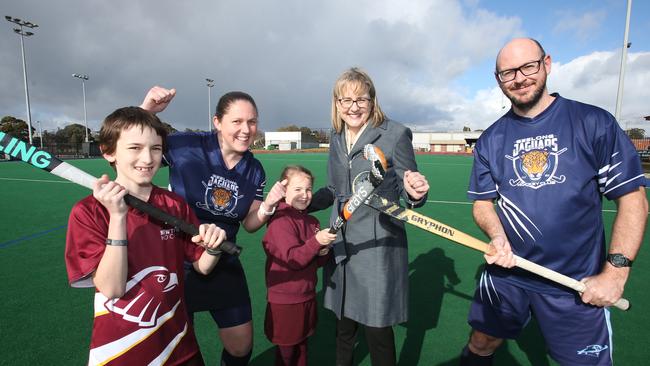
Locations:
column 431, row 60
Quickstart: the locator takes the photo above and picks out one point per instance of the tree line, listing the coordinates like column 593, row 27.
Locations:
column 72, row 133
column 75, row 133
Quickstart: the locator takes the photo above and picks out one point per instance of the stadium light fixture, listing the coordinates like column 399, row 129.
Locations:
column 83, row 78
column 21, row 23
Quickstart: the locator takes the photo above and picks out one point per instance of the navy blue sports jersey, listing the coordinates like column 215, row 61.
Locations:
column 548, row 175
column 217, row 194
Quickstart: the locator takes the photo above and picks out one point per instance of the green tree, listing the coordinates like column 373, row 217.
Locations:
column 467, row 129
column 321, row 135
column 258, row 140
column 49, row 137
column 289, row 128
column 15, row 127
column 636, row 133
column 169, row 128
column 73, row 133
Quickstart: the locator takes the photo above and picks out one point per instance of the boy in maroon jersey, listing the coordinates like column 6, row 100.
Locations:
column 134, row 262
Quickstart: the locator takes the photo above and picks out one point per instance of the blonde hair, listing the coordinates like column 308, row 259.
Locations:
column 359, row 81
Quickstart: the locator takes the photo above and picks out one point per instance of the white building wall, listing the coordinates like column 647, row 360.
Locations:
column 434, row 141
column 421, row 141
column 285, row 140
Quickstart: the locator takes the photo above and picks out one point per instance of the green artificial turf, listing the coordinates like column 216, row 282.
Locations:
column 44, row 321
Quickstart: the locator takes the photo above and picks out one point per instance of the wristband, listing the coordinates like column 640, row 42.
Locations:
column 116, row 243
column 263, row 211
column 214, row 252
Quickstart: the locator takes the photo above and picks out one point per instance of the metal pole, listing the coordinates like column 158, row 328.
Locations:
column 24, row 34
column 621, row 75
column 29, row 112
column 83, row 78
column 83, row 90
column 40, row 133
column 210, row 84
column 209, row 109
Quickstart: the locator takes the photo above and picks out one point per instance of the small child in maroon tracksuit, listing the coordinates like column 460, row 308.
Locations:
column 295, row 247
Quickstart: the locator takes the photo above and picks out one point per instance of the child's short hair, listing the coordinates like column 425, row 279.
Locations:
column 124, row 118
column 290, row 170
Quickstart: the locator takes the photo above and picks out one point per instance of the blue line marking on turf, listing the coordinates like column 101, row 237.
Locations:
column 32, row 236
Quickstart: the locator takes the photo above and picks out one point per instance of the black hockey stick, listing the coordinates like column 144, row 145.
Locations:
column 43, row 160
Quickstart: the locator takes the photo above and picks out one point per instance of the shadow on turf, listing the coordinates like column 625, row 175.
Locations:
column 322, row 344
column 431, row 276
column 528, row 341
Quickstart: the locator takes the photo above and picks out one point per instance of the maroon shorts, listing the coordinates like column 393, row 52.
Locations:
column 289, row 324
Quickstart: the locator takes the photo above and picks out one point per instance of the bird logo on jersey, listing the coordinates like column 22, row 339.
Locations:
column 593, row 350
column 535, row 161
column 220, row 197
column 142, row 301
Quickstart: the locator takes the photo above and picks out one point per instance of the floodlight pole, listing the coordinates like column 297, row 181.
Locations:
column 210, row 84
column 23, row 23
column 83, row 78
column 621, row 75
column 40, row 133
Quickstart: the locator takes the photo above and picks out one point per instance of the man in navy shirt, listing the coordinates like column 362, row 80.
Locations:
column 548, row 162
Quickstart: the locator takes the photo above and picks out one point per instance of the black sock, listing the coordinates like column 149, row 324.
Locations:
column 229, row 360
column 469, row 358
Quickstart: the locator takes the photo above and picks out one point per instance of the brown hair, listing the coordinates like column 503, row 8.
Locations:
column 360, row 82
column 124, row 118
column 290, row 170
column 229, row 98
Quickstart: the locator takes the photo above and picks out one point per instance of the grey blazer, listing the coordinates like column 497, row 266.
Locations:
column 367, row 278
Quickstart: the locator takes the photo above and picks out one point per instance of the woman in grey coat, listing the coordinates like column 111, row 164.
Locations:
column 366, row 282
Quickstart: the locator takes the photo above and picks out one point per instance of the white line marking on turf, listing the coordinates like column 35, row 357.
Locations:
column 309, row 160
column 37, row 180
column 470, row 203
column 445, row 164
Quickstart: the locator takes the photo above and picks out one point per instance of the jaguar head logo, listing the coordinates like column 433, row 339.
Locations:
column 221, row 197
column 534, row 163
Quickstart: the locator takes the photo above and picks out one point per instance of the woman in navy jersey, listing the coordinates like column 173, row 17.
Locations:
column 224, row 184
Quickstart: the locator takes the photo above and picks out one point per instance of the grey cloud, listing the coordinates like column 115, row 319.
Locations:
column 286, row 54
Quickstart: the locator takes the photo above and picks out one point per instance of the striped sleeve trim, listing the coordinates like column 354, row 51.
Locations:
column 481, row 193
column 623, row 183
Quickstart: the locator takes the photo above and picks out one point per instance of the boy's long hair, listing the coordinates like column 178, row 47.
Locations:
column 124, row 118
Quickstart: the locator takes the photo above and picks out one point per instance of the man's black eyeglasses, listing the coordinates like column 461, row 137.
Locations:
column 527, row 69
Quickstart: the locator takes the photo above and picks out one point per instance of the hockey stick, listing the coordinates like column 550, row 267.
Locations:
column 436, row 227
column 43, row 160
column 378, row 167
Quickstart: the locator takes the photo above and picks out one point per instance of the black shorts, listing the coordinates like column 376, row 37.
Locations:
column 225, row 287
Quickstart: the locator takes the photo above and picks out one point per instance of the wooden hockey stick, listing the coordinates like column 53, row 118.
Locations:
column 436, row 227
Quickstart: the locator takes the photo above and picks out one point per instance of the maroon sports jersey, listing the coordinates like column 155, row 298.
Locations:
column 148, row 324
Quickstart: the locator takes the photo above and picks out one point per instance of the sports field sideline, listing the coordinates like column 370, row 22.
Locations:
column 44, row 321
